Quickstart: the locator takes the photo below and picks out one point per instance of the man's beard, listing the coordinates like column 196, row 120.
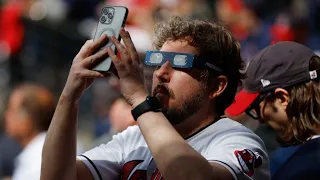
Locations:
column 189, row 107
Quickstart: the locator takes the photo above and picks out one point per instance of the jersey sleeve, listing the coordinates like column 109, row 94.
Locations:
column 105, row 161
column 242, row 153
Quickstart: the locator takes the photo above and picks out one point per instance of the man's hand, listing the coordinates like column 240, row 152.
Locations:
column 81, row 76
column 130, row 69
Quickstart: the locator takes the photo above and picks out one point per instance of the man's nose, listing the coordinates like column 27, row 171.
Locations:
column 163, row 73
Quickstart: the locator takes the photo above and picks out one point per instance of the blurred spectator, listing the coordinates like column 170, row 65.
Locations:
column 27, row 118
column 244, row 19
column 120, row 115
column 120, row 118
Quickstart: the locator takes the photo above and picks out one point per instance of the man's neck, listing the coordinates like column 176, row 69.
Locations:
column 195, row 123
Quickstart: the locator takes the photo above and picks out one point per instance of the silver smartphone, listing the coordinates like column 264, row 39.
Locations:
column 110, row 22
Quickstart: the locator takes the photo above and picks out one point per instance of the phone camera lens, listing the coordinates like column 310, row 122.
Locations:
column 110, row 16
column 105, row 11
column 103, row 19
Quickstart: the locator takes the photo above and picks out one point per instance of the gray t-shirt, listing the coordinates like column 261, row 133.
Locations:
column 225, row 142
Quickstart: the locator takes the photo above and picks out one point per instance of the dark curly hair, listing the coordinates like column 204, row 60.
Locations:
column 215, row 43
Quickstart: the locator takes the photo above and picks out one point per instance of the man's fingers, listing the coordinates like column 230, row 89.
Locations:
column 127, row 40
column 113, row 56
column 125, row 35
column 118, row 45
column 116, row 61
column 95, row 59
column 122, row 49
column 91, row 46
column 97, row 44
column 85, row 48
column 90, row 74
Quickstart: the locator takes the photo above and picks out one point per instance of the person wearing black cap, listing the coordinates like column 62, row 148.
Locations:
column 282, row 89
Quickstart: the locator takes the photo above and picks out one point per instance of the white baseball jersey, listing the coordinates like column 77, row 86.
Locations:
column 225, row 142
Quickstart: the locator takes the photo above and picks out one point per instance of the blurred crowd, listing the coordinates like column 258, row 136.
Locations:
column 39, row 39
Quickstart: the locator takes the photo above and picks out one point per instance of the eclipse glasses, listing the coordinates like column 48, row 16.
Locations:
column 178, row 60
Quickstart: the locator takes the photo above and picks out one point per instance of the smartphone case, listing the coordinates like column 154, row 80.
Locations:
column 111, row 20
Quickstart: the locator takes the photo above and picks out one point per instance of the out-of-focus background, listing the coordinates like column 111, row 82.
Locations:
column 39, row 39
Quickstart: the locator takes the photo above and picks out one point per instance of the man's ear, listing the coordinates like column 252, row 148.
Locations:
column 219, row 87
column 282, row 96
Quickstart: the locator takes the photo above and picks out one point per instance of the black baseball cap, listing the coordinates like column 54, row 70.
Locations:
column 279, row 65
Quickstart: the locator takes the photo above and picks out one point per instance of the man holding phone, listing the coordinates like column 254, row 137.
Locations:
column 180, row 132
